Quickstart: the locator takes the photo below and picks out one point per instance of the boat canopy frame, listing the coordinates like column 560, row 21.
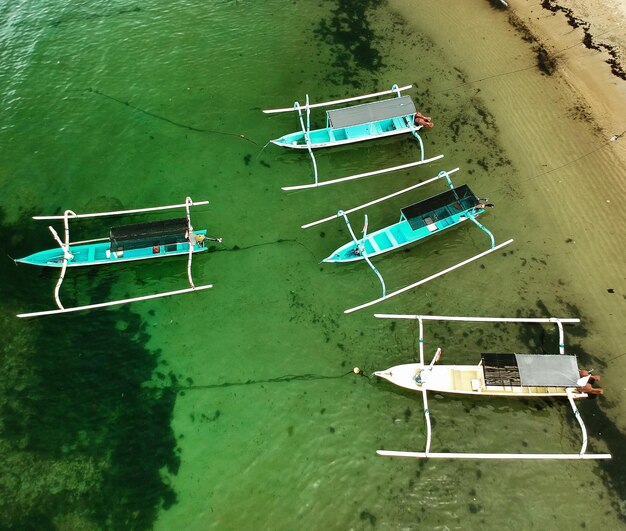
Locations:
column 374, row 111
column 571, row 393
column 67, row 255
column 347, row 116
column 148, row 234
column 360, row 243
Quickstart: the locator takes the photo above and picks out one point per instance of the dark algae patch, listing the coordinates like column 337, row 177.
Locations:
column 546, row 62
column 351, row 39
column 575, row 22
column 83, row 440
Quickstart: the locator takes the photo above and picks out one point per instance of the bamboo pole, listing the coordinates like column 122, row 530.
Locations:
column 476, row 319
column 456, row 455
column 114, row 303
column 428, row 279
column 121, row 212
column 344, row 100
column 360, row 175
column 380, row 199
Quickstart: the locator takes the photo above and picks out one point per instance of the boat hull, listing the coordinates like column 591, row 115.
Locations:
column 394, row 237
column 96, row 254
column 464, row 380
column 331, row 137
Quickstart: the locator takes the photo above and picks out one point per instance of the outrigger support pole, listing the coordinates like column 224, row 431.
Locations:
column 415, row 133
column 344, row 100
column 524, row 457
column 67, row 256
column 561, row 334
column 115, row 303
column 361, row 247
column 428, row 279
column 471, row 217
column 380, row 199
column 361, row 175
column 122, row 212
column 424, row 391
column 191, row 239
column 570, row 397
column 305, row 131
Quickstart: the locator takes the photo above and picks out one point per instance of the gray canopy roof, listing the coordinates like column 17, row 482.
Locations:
column 371, row 112
column 535, row 370
column 547, row 370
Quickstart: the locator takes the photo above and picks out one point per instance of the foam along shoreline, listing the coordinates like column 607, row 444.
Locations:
column 586, row 40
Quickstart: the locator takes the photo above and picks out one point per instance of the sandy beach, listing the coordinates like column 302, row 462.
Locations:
column 587, row 40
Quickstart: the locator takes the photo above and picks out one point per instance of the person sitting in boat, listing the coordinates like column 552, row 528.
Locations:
column 583, row 373
column 357, row 251
column 585, row 383
column 590, row 390
column 200, row 239
column 424, row 121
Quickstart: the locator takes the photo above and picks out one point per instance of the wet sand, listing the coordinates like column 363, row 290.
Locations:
column 588, row 41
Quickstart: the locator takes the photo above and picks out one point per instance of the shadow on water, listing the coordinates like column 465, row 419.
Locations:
column 82, row 439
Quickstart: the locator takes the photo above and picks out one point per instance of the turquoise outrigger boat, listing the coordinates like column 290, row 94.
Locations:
column 418, row 221
column 356, row 123
column 139, row 241
column 367, row 121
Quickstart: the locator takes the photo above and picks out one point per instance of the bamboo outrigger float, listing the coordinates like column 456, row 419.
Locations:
column 139, row 241
column 417, row 221
column 504, row 375
column 356, row 123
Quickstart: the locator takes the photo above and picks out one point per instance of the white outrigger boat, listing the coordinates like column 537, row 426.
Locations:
column 139, row 241
column 503, row 375
column 418, row 221
column 356, row 123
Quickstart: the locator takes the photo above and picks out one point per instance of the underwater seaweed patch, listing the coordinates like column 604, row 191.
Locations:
column 82, row 439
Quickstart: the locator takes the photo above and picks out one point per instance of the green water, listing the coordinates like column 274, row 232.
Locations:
column 236, row 407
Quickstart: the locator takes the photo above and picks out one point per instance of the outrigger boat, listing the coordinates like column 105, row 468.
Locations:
column 417, row 221
column 139, row 241
column 503, row 375
column 356, row 123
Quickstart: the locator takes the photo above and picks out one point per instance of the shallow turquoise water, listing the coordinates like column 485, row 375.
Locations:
column 238, row 405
